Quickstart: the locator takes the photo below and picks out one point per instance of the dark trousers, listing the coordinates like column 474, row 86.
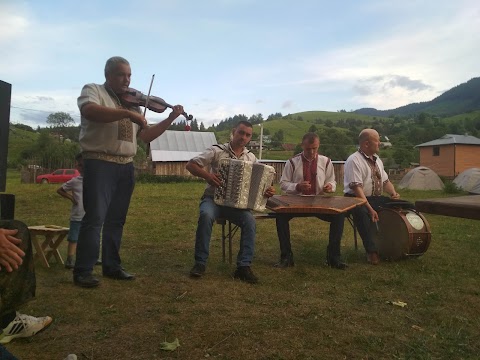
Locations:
column 17, row 287
column 107, row 190
column 363, row 221
column 334, row 237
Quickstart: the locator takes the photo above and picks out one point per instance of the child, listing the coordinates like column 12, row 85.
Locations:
column 73, row 190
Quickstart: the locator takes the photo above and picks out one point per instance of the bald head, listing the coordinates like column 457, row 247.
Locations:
column 367, row 134
column 369, row 141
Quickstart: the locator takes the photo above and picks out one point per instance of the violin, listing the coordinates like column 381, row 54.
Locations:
column 134, row 97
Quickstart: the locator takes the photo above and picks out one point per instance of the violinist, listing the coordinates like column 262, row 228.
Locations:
column 108, row 139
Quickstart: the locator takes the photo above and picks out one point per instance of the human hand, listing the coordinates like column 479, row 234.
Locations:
column 213, row 179
column 269, row 192
column 395, row 196
column 10, row 254
column 138, row 119
column 373, row 215
column 303, row 186
column 177, row 110
column 328, row 188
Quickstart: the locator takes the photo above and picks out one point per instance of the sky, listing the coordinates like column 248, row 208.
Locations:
column 220, row 58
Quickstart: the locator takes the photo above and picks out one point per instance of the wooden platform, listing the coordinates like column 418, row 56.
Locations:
column 467, row 207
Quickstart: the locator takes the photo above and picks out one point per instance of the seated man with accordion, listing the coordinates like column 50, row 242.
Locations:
column 309, row 174
column 206, row 166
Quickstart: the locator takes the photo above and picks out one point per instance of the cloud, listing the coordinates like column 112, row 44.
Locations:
column 385, row 83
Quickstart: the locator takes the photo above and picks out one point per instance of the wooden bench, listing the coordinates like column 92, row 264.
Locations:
column 229, row 230
column 52, row 238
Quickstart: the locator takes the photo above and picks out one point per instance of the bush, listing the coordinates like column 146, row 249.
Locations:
column 451, row 188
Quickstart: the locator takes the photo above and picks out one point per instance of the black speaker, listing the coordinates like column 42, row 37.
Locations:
column 5, row 99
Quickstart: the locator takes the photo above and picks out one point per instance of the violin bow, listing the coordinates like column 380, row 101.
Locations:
column 145, row 111
column 148, row 96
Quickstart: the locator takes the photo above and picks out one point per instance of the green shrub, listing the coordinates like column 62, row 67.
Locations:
column 451, row 188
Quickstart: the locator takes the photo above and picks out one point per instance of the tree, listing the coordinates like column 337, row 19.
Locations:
column 60, row 119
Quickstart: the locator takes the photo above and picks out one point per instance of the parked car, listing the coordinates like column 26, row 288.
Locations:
column 58, row 176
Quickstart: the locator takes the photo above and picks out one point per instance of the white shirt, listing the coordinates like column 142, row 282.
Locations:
column 75, row 186
column 293, row 174
column 358, row 172
column 210, row 158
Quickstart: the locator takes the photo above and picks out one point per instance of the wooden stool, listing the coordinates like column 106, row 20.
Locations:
column 53, row 236
column 232, row 229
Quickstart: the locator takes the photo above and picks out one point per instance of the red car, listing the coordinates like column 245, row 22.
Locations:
column 58, row 176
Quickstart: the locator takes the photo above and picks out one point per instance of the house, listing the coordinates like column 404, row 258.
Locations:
column 451, row 154
column 255, row 145
column 171, row 151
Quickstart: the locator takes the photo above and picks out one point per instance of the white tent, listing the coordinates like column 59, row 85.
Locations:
column 467, row 179
column 421, row 178
column 475, row 189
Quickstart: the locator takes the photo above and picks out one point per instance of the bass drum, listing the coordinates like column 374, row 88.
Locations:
column 401, row 233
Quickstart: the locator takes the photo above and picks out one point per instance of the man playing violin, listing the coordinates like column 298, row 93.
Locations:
column 108, row 139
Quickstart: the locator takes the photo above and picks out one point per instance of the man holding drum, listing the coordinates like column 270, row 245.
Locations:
column 205, row 166
column 309, row 173
column 365, row 177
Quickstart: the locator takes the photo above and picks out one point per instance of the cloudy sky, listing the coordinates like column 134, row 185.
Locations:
column 219, row 58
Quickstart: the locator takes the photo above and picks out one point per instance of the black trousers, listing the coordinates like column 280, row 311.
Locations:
column 334, row 238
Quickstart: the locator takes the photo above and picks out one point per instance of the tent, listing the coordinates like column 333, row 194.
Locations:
column 467, row 179
column 475, row 189
column 421, row 178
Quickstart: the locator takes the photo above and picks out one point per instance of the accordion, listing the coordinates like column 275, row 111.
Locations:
column 243, row 184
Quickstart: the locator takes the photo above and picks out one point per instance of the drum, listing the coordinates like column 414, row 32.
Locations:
column 401, row 233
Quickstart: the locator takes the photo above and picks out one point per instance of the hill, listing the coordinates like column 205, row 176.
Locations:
column 20, row 138
column 462, row 98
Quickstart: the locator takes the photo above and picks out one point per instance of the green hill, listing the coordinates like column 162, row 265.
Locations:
column 20, row 138
column 460, row 99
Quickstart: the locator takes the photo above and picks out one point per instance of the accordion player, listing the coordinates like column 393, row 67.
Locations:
column 243, row 184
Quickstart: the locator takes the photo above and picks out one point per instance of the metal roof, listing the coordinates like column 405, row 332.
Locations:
column 449, row 139
column 180, row 145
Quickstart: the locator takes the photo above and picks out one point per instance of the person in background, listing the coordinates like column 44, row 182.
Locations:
column 108, row 138
column 73, row 191
column 206, row 166
column 309, row 173
column 17, row 283
column 365, row 177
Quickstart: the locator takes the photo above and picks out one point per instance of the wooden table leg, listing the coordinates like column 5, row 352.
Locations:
column 39, row 250
column 54, row 244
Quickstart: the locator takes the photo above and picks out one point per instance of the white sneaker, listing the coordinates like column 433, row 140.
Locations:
column 23, row 326
column 71, row 357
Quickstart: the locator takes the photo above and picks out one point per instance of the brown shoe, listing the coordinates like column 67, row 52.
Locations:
column 373, row 258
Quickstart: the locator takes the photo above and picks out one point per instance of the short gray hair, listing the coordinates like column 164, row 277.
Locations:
column 112, row 63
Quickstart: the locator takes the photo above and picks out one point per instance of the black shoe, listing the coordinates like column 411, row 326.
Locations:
column 119, row 274
column 246, row 274
column 336, row 263
column 198, row 270
column 285, row 262
column 86, row 281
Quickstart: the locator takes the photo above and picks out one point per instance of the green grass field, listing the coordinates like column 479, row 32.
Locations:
column 306, row 312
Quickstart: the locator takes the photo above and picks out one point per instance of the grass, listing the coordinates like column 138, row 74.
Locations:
column 306, row 312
